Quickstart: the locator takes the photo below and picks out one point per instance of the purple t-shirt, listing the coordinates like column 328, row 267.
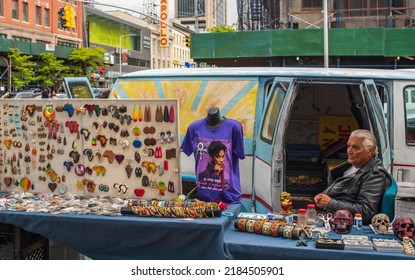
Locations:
column 217, row 153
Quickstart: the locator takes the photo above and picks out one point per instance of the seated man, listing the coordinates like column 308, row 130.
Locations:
column 362, row 190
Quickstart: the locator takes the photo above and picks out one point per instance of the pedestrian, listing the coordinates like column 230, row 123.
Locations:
column 45, row 92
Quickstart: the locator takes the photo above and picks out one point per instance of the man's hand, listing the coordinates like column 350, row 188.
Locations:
column 322, row 200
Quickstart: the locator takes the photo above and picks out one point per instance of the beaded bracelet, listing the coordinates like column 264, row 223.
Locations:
column 297, row 232
column 250, row 225
column 288, row 230
column 266, row 228
column 274, row 229
column 258, row 226
column 281, row 230
column 242, row 224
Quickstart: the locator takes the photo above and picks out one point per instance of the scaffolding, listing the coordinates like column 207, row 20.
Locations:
column 303, row 14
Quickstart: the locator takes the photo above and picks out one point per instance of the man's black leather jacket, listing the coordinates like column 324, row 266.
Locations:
column 361, row 192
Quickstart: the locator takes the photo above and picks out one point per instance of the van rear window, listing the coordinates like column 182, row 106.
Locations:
column 409, row 97
column 79, row 90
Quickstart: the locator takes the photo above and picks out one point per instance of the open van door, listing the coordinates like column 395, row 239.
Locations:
column 404, row 132
column 269, row 155
column 76, row 87
column 378, row 120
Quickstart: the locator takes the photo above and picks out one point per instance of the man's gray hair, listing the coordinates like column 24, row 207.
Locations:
column 369, row 140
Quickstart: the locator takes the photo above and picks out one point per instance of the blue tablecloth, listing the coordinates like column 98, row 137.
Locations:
column 244, row 246
column 130, row 237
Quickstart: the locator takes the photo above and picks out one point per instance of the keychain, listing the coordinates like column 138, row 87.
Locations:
column 407, row 246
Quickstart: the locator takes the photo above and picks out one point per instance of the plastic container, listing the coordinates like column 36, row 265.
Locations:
column 358, row 222
column 302, row 218
column 311, row 214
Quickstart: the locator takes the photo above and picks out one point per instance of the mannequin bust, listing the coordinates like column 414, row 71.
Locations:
column 214, row 118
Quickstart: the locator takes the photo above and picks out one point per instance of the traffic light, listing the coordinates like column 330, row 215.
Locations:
column 187, row 41
column 62, row 17
column 69, row 17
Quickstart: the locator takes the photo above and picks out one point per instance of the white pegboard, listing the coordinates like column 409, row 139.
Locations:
column 89, row 147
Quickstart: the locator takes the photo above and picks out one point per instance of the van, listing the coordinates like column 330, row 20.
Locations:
column 75, row 87
column 296, row 121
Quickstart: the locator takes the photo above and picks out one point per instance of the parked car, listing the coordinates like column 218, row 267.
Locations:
column 98, row 91
column 30, row 94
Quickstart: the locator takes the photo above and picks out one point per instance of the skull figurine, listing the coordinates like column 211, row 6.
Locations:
column 342, row 222
column 380, row 223
column 403, row 226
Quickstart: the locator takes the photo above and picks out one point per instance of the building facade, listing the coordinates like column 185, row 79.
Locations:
column 200, row 15
column 363, row 34
column 125, row 38
column 33, row 27
column 300, row 14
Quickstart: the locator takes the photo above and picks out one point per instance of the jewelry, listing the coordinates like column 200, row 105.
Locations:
column 281, row 230
column 258, row 226
column 407, row 246
column 250, row 225
column 266, row 227
column 241, row 223
column 288, row 230
column 274, row 229
column 297, row 232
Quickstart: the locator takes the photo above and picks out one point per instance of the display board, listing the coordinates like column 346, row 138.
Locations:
column 121, row 148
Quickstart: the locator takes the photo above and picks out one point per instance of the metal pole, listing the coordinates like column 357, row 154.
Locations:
column 10, row 75
column 196, row 18
column 326, row 37
column 126, row 35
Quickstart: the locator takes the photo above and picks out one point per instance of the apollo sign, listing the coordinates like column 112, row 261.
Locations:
column 164, row 21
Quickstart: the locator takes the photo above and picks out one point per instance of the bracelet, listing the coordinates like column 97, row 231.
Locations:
column 288, row 230
column 266, row 228
column 281, row 230
column 258, row 226
column 297, row 232
column 250, row 225
column 274, row 229
column 242, row 224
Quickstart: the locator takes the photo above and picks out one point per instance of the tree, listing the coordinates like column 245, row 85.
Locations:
column 83, row 59
column 50, row 69
column 23, row 69
column 223, row 28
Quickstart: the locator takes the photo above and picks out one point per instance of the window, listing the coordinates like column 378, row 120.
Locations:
column 38, row 15
column 409, row 97
column 1, row 8
column 25, row 12
column 276, row 94
column 370, row 7
column 15, row 9
column 312, row 4
column 66, row 44
column 23, row 39
column 46, row 16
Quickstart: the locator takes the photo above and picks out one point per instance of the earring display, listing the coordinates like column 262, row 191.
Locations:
column 116, row 148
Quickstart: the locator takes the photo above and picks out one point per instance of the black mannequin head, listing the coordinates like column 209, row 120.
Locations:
column 214, row 118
